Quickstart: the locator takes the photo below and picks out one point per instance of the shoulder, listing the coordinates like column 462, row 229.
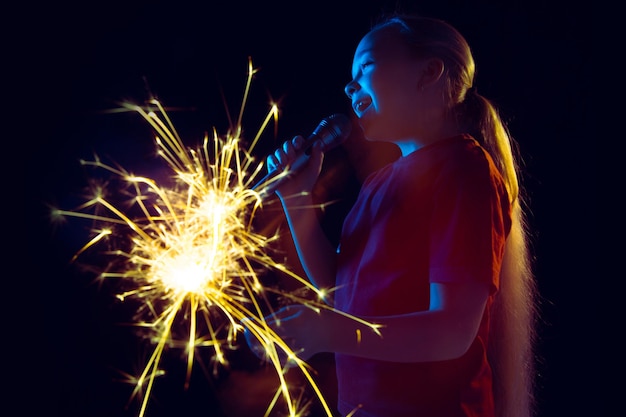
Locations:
column 460, row 158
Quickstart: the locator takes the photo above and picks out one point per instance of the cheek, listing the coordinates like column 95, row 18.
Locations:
column 395, row 103
column 394, row 92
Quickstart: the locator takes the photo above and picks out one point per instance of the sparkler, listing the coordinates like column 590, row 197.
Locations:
column 192, row 257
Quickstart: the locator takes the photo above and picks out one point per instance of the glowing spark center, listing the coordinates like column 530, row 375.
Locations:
column 203, row 254
column 184, row 273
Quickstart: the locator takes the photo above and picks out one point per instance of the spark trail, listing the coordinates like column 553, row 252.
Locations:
column 190, row 255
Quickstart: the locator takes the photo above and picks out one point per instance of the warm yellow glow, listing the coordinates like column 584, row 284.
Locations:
column 190, row 255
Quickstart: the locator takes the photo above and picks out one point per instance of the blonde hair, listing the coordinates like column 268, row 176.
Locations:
column 512, row 334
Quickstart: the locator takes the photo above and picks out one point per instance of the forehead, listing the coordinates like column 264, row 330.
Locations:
column 387, row 38
column 381, row 43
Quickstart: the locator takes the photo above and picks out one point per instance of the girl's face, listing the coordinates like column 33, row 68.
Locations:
column 385, row 87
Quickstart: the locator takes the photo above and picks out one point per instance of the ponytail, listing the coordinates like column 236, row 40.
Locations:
column 483, row 122
column 512, row 332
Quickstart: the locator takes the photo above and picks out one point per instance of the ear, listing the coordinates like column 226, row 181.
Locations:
column 432, row 71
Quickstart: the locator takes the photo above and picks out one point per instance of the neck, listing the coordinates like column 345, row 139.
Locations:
column 410, row 145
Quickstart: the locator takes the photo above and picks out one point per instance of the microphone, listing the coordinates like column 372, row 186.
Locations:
column 330, row 132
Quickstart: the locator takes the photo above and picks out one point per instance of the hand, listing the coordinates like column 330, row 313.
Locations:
column 304, row 179
column 298, row 327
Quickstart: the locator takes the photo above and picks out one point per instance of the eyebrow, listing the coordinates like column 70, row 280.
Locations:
column 359, row 56
column 363, row 52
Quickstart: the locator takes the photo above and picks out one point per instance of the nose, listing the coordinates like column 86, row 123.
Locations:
column 351, row 88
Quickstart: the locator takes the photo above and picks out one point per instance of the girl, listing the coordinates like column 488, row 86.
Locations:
column 433, row 250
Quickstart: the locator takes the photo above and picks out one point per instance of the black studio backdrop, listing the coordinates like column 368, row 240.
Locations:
column 81, row 60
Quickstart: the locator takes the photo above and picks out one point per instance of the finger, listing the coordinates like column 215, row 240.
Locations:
column 283, row 315
column 272, row 163
column 298, row 142
column 280, row 157
column 290, row 148
column 254, row 344
column 284, row 154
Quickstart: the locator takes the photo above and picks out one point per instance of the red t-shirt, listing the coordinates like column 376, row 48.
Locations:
column 440, row 214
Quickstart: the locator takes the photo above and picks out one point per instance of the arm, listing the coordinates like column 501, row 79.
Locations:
column 443, row 332
column 315, row 252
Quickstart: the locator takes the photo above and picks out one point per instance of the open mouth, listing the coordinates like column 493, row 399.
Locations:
column 360, row 106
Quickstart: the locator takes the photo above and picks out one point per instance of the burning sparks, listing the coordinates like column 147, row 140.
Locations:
column 190, row 256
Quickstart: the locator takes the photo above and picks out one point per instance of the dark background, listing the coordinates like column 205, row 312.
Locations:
column 75, row 62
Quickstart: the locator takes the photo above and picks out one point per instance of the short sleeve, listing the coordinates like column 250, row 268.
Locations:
column 470, row 221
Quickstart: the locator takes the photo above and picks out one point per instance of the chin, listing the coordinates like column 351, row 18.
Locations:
column 373, row 129
column 368, row 129
column 371, row 134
